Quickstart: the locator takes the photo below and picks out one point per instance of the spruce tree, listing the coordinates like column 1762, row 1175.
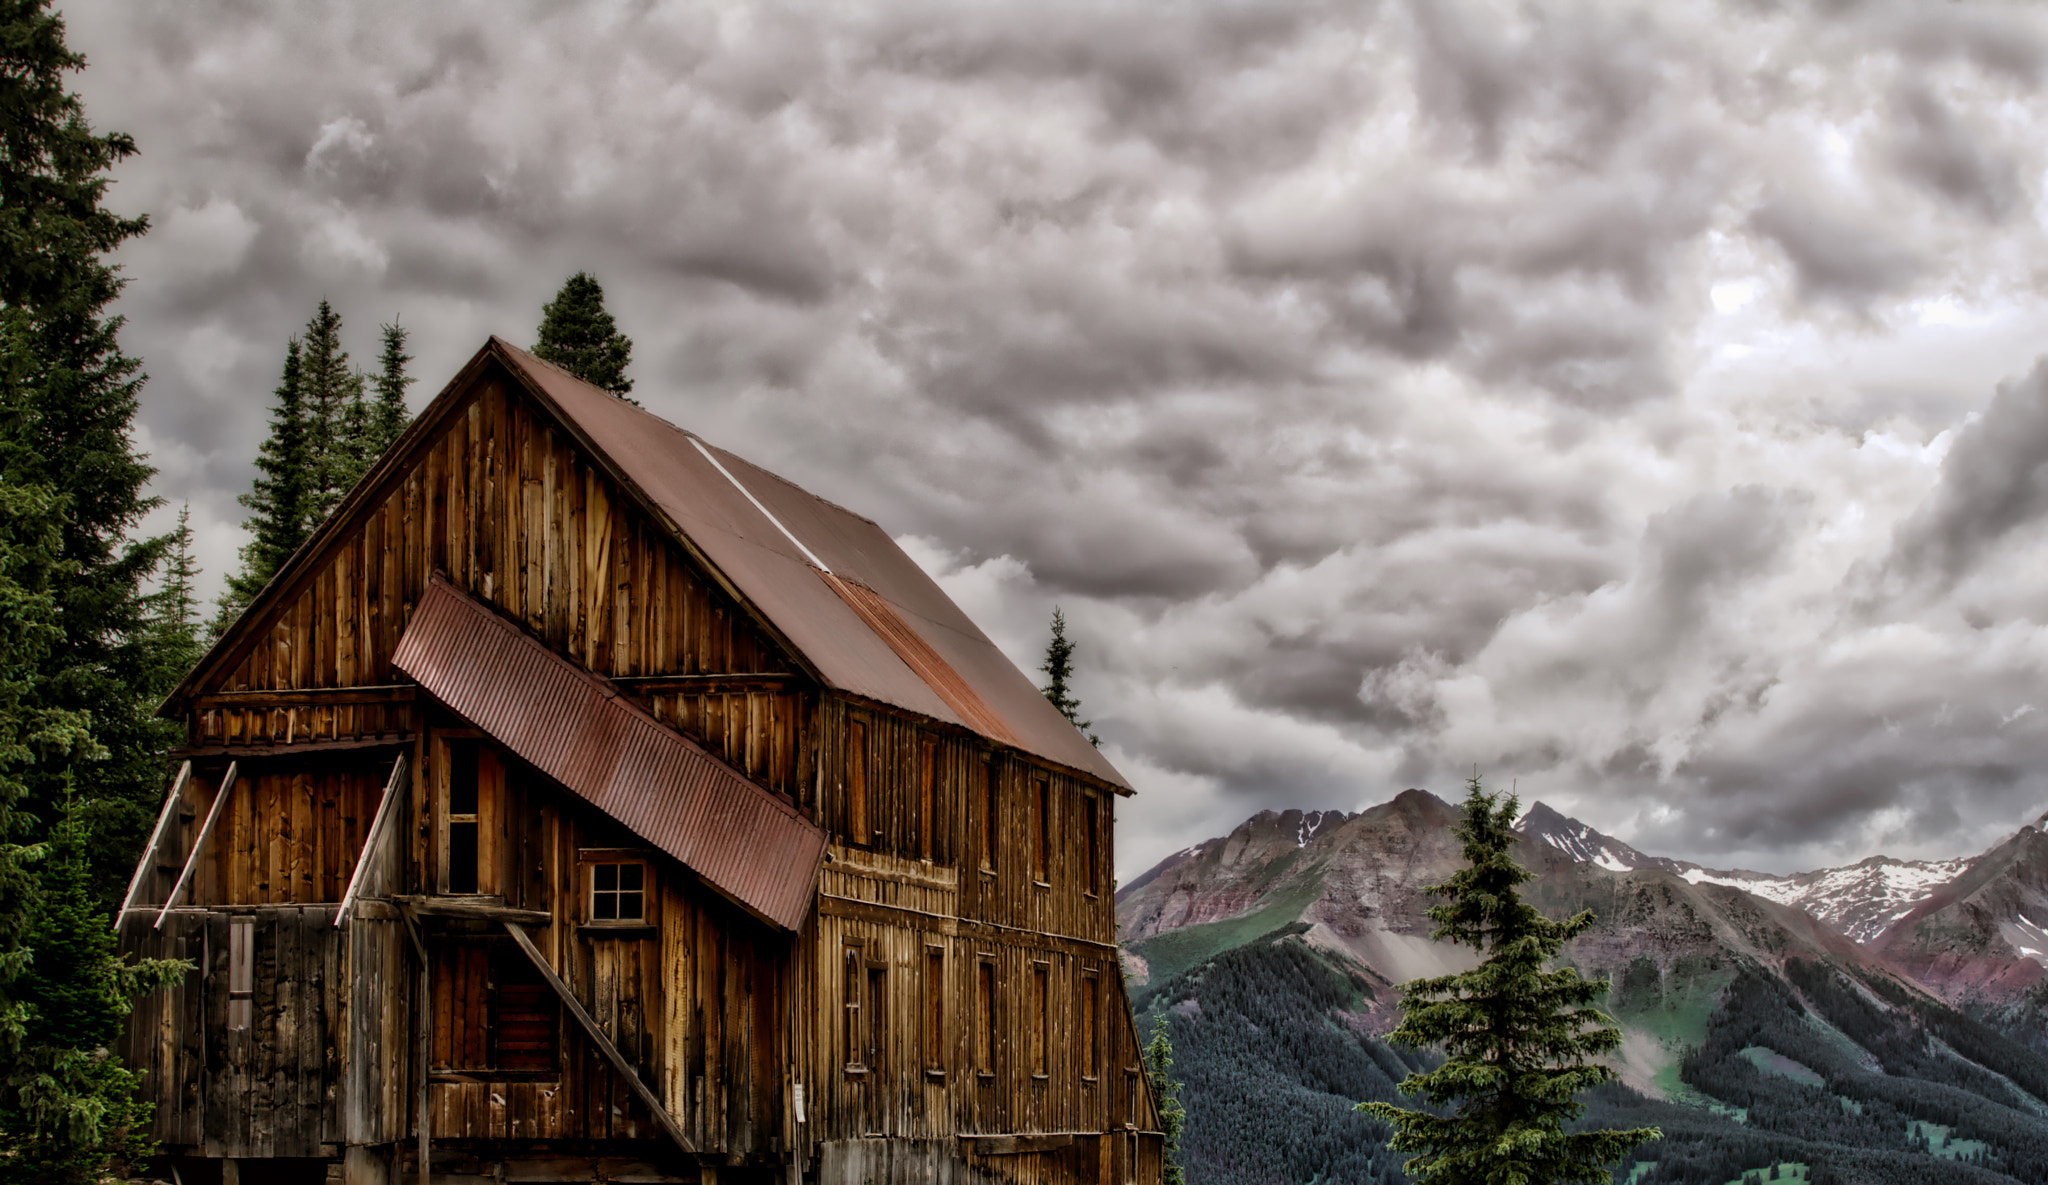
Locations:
column 67, row 406
column 174, row 607
column 70, row 1107
column 1059, row 667
column 388, row 418
column 577, row 334
column 1519, row 1040
column 281, row 499
column 1158, row 1058
column 332, row 395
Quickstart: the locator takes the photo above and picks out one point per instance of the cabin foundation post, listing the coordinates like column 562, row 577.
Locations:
column 361, row 1165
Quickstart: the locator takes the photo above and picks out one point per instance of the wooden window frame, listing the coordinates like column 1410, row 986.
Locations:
column 987, row 1033
column 927, row 798
column 990, row 808
column 1041, row 831
column 860, row 819
column 241, row 972
column 589, row 860
column 1091, row 808
column 1041, row 1027
column 935, row 1012
column 1091, row 1026
column 853, row 982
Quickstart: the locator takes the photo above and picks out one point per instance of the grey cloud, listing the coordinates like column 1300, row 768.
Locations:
column 1837, row 259
column 1938, row 150
column 1994, row 481
column 1352, row 374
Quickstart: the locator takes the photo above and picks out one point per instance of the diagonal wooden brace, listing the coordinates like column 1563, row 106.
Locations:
column 611, row 1052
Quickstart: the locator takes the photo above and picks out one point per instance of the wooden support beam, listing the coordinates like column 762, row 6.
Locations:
column 1013, row 1145
column 473, row 911
column 393, row 788
column 147, row 862
column 398, row 740
column 220, row 799
column 611, row 1052
column 308, row 697
column 705, row 684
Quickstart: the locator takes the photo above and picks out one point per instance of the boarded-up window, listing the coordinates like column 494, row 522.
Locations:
column 851, row 991
column 1041, row 830
column 1092, row 810
column 990, row 832
column 1091, row 1025
column 859, row 825
column 1041, row 1019
column 935, row 1009
column 525, row 1015
column 241, row 972
column 927, row 796
column 462, row 1006
column 985, row 1016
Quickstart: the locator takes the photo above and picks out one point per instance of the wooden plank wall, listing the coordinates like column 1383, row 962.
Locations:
column 291, row 833
column 516, row 517
column 265, row 1091
column 693, row 996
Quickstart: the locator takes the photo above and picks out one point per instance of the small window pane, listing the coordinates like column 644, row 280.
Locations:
column 462, row 777
column 607, row 876
column 462, row 857
column 629, row 877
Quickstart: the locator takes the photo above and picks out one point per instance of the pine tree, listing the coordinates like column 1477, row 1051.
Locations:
column 67, row 408
column 388, row 418
column 1059, row 667
column 281, row 499
column 174, row 607
column 1166, row 1097
column 70, row 1107
column 1519, row 1039
column 332, row 394
column 577, row 334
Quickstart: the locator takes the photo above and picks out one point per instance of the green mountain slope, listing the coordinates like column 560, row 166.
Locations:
column 1754, row 1035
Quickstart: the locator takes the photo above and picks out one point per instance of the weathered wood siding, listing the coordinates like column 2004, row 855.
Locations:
column 508, row 507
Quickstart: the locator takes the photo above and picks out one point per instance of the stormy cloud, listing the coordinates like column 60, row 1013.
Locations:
column 1638, row 402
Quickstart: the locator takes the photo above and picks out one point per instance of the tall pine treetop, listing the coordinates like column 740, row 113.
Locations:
column 1059, row 667
column 388, row 418
column 1519, row 1040
column 577, row 334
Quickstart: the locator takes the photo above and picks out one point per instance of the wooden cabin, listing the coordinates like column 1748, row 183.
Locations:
column 582, row 802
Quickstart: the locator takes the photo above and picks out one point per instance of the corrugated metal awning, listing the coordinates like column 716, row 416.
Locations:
column 577, row 729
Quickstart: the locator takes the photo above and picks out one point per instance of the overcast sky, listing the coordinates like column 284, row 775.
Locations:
column 1637, row 403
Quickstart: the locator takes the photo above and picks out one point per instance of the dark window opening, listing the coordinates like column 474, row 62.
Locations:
column 985, row 1007
column 1041, row 830
column 935, row 1009
column 876, row 1056
column 618, row 892
column 1093, row 810
column 526, row 1016
column 1091, row 1004
column 927, row 776
column 989, row 829
column 860, row 827
column 851, row 995
column 461, row 866
column 1041, row 1031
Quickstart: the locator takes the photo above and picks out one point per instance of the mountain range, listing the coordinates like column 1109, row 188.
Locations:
column 1877, row 1021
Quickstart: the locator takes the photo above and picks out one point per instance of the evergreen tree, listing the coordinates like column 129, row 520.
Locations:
column 67, row 406
column 1519, row 1039
column 1166, row 1095
column 281, row 499
column 174, row 607
column 332, row 398
column 577, row 334
column 388, row 418
column 1059, row 667
column 69, row 1106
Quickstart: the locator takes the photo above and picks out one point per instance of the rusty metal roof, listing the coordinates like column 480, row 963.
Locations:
column 575, row 727
column 883, row 629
